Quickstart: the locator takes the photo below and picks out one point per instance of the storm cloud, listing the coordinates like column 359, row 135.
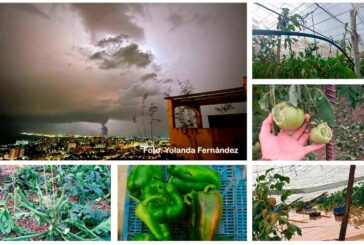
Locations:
column 65, row 65
column 102, row 19
column 148, row 76
column 126, row 56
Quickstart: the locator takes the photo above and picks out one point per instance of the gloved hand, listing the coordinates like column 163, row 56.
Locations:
column 284, row 146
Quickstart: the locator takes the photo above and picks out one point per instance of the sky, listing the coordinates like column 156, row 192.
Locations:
column 86, row 68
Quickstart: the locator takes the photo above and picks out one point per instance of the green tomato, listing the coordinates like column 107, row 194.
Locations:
column 321, row 134
column 256, row 147
column 287, row 117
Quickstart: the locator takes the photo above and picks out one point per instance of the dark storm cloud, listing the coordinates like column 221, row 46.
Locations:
column 147, row 90
column 98, row 55
column 120, row 52
column 98, row 114
column 110, row 18
column 112, row 41
column 148, row 76
column 149, row 85
column 127, row 56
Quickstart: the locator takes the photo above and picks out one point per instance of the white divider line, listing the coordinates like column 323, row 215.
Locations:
column 114, row 202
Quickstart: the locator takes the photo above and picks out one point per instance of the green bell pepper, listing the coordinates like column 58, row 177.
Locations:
column 204, row 212
column 170, row 206
column 193, row 177
column 143, row 237
column 186, row 186
column 154, row 187
column 141, row 175
column 159, row 230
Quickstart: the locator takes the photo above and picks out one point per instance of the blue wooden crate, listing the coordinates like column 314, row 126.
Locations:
column 234, row 215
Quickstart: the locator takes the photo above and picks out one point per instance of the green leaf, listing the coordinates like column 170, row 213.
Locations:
column 103, row 228
column 285, row 195
column 281, row 178
column 293, row 229
column 279, row 186
column 268, row 170
column 264, row 103
column 299, row 231
column 325, row 110
column 7, row 224
column 261, row 177
column 291, row 27
column 293, row 95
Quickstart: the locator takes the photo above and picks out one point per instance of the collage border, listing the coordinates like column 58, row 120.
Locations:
column 248, row 163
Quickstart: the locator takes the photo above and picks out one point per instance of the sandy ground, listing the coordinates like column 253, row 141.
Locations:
column 324, row 228
column 7, row 170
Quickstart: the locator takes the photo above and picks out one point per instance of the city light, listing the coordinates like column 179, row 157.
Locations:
column 77, row 147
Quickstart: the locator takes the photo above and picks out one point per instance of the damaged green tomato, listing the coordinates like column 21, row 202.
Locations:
column 287, row 117
column 321, row 134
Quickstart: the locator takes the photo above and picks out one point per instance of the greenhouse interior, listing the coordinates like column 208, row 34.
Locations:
column 316, row 202
column 308, row 40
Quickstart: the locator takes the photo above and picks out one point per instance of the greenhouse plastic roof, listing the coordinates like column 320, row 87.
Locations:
column 327, row 19
column 308, row 176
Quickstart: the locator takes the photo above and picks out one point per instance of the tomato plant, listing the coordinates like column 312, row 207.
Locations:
column 302, row 65
column 311, row 99
column 56, row 203
column 270, row 221
column 287, row 22
column 346, row 119
column 338, row 198
column 270, row 61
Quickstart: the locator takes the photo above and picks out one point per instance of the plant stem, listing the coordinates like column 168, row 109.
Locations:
column 272, row 97
column 26, row 237
column 80, row 238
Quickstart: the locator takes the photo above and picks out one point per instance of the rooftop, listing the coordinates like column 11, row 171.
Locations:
column 232, row 95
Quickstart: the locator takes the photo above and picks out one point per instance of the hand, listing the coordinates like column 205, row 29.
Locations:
column 285, row 146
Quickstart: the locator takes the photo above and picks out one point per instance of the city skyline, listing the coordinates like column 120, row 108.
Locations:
column 88, row 68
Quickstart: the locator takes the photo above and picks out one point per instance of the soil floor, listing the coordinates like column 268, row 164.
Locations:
column 324, row 228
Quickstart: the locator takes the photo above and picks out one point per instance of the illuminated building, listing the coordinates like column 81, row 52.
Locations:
column 16, row 153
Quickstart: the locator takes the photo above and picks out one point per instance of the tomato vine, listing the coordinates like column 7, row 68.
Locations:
column 269, row 61
column 270, row 221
